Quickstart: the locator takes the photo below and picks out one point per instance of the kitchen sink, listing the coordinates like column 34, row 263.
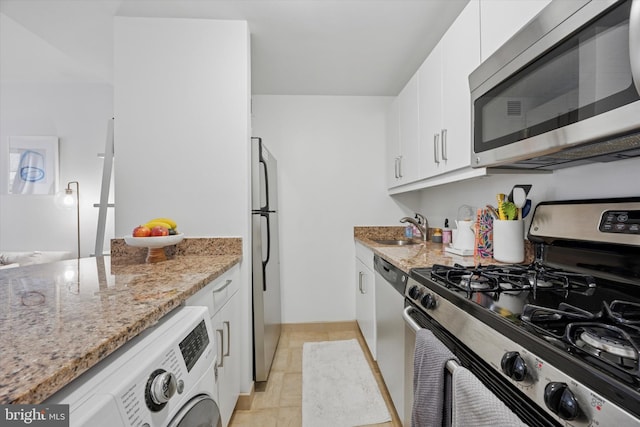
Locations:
column 396, row 242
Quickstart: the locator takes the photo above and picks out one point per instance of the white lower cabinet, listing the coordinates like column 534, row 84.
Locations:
column 222, row 300
column 226, row 324
column 365, row 297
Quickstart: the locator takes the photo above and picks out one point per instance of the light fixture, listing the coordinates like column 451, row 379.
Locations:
column 67, row 200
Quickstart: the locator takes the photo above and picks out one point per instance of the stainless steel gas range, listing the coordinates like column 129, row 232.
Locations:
column 557, row 341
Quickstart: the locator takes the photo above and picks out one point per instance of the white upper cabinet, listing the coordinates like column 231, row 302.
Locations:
column 430, row 106
column 444, row 96
column 501, row 19
column 403, row 157
column 442, row 152
column 393, row 144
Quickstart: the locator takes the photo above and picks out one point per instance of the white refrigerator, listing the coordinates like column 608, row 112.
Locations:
column 265, row 259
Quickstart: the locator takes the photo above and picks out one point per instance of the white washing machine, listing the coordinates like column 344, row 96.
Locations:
column 165, row 377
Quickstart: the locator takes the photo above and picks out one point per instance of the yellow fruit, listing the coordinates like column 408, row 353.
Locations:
column 169, row 221
column 154, row 223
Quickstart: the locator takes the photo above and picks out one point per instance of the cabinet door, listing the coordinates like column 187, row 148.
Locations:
column 409, row 124
column 393, row 144
column 430, row 100
column 501, row 19
column 460, row 56
column 365, row 305
column 227, row 327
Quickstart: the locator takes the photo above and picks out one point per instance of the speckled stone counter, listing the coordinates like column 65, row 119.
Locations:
column 422, row 254
column 59, row 319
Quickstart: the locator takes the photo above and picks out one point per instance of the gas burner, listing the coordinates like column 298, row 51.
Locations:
column 610, row 335
column 565, row 312
column 612, row 345
column 606, row 341
column 624, row 312
column 474, row 282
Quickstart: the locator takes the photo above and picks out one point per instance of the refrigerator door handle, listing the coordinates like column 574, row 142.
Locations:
column 264, row 262
column 266, row 179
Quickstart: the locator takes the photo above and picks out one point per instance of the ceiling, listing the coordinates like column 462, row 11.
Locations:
column 298, row 47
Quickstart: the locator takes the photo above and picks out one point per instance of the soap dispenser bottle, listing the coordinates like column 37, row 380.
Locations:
column 446, row 232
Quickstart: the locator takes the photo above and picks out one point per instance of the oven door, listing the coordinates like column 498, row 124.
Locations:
column 416, row 319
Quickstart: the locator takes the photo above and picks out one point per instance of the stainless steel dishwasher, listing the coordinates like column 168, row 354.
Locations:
column 390, row 284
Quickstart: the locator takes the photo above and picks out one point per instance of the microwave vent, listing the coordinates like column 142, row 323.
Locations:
column 514, row 108
column 623, row 147
column 628, row 144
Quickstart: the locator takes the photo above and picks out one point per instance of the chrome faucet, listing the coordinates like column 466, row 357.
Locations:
column 420, row 222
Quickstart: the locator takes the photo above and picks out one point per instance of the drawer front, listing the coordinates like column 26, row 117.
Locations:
column 365, row 255
column 218, row 292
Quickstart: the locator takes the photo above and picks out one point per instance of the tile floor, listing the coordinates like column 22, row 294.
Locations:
column 279, row 402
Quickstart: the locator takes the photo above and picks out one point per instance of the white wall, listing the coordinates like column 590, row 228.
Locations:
column 77, row 113
column 182, row 133
column 599, row 180
column 330, row 153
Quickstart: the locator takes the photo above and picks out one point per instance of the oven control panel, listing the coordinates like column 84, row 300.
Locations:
column 624, row 222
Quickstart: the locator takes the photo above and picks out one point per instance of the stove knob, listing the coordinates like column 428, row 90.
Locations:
column 561, row 401
column 161, row 386
column 428, row 301
column 414, row 292
column 513, row 366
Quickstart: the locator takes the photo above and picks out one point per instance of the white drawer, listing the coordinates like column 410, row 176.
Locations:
column 364, row 254
column 218, row 292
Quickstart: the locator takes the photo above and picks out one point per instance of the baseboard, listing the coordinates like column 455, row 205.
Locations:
column 350, row 325
column 245, row 400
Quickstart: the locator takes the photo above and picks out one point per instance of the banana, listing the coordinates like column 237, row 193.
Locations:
column 154, row 223
column 172, row 223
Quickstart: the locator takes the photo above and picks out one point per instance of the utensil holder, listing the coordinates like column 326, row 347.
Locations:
column 508, row 241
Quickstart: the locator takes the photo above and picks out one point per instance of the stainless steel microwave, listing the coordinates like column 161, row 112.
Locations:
column 563, row 91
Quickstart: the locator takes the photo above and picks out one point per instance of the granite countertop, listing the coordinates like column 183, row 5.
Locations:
column 422, row 254
column 59, row 319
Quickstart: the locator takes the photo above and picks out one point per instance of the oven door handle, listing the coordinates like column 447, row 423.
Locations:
column 451, row 365
column 409, row 320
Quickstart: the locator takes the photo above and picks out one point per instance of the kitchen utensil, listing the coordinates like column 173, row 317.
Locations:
column 507, row 211
column 526, row 208
column 500, row 198
column 493, row 211
column 525, row 187
column 519, row 199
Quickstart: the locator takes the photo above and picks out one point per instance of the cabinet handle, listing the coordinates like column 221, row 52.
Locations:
column 444, row 144
column 436, row 157
column 222, row 287
column 228, row 325
column 221, row 358
column 400, row 167
column 360, row 276
column 395, row 167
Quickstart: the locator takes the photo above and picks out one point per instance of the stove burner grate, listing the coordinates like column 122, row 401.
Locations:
column 610, row 336
column 496, row 278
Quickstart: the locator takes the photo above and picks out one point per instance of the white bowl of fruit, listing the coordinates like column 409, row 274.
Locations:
column 155, row 235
